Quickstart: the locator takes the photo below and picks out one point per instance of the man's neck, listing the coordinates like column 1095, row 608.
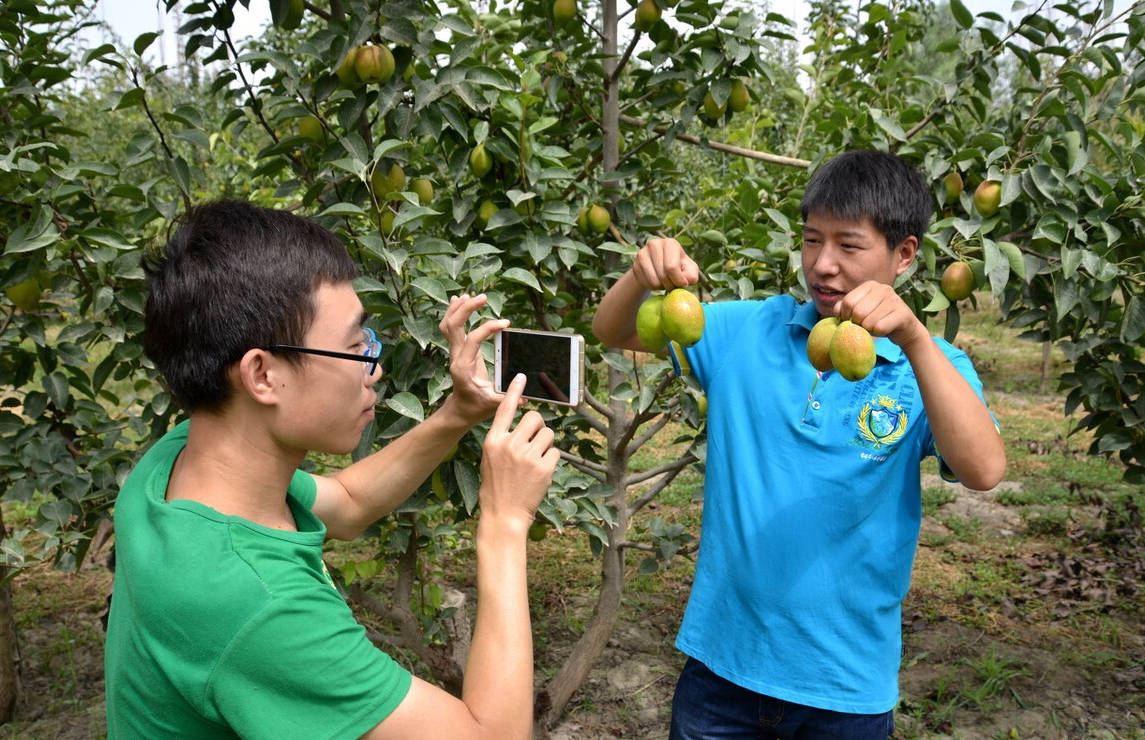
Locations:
column 236, row 469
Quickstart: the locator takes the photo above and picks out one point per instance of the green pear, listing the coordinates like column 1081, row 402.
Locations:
column 649, row 326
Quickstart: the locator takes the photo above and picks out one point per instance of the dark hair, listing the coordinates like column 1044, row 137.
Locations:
column 232, row 277
column 877, row 185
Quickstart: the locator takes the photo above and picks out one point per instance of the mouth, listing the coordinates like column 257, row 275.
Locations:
column 827, row 295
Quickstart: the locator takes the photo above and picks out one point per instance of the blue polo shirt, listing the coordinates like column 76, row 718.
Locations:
column 811, row 511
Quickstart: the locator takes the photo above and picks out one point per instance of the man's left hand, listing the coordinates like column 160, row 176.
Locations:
column 473, row 396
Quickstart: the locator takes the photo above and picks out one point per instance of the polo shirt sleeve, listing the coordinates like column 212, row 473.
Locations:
column 965, row 368
column 303, row 667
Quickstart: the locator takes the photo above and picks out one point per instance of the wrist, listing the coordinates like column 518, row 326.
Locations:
column 495, row 530
column 452, row 417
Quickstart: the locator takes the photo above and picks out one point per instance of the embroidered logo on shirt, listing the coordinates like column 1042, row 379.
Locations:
column 882, row 422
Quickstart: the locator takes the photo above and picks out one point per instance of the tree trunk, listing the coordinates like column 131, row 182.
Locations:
column 555, row 697
column 1045, row 366
column 9, row 647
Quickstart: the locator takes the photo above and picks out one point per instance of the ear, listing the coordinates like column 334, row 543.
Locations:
column 905, row 253
column 258, row 375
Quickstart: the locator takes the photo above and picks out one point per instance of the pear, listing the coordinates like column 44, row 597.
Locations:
column 987, row 197
column 819, row 343
column 852, row 351
column 682, row 317
column 649, row 326
column 958, row 281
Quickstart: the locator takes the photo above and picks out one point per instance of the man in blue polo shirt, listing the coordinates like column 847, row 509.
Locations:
column 812, row 499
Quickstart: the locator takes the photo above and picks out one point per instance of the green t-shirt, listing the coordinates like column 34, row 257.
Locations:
column 221, row 627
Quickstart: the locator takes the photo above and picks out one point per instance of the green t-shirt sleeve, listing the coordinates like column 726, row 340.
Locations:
column 303, row 667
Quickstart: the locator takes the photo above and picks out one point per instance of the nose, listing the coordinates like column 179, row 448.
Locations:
column 826, row 261
column 373, row 375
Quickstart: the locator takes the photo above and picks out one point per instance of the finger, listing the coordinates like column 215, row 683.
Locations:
column 543, row 439
column 507, row 409
column 467, row 353
column 450, row 324
column 529, row 426
column 461, row 309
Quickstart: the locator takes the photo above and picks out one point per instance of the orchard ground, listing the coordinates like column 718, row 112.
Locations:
column 1025, row 619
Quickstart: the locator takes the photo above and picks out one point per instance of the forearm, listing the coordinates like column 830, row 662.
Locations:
column 964, row 432
column 381, row 482
column 498, row 688
column 615, row 320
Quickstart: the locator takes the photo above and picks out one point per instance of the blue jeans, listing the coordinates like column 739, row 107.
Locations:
column 707, row 707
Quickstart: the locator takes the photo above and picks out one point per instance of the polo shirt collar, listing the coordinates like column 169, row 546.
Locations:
column 806, row 316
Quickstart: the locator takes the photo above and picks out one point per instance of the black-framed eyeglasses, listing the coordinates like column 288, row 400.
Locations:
column 370, row 356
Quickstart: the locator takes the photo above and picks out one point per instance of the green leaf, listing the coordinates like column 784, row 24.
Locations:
column 963, row 16
column 1071, row 258
column 435, row 289
column 132, row 97
column 1076, row 155
column 343, row 209
column 56, row 386
column 517, row 275
column 468, row 483
column 937, row 303
column 407, row 404
column 997, row 267
column 1014, row 255
column 953, row 320
column 143, row 40
column 887, row 124
column 33, row 235
column 1133, row 323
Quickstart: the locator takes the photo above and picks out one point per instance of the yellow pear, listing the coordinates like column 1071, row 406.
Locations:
column 685, row 366
column 647, row 15
column 424, row 190
column 374, row 64
column 852, row 351
column 739, row 96
column 987, row 197
column 438, row 485
column 598, row 219
column 952, row 184
column 563, row 11
column 957, row 281
column 819, row 343
column 485, row 211
column 682, row 317
column 480, row 161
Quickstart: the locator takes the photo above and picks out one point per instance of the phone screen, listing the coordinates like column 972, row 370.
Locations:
column 545, row 361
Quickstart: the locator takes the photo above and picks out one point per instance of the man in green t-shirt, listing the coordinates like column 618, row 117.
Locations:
column 224, row 621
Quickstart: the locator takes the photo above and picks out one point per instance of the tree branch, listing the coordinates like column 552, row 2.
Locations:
column 624, row 59
column 644, row 415
column 583, row 466
column 597, row 406
column 649, row 434
column 663, row 483
column 593, row 422
column 726, row 148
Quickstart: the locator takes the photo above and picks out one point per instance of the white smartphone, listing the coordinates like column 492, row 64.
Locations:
column 553, row 364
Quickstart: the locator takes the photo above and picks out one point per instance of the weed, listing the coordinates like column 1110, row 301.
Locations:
column 995, row 674
column 934, row 498
column 965, row 530
column 1047, row 521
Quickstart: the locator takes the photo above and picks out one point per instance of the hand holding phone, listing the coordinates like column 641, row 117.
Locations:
column 552, row 363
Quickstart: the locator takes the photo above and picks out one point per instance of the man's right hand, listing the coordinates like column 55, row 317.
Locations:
column 518, row 463
column 662, row 264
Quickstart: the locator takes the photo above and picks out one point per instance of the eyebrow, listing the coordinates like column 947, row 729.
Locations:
column 846, row 234
column 357, row 327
